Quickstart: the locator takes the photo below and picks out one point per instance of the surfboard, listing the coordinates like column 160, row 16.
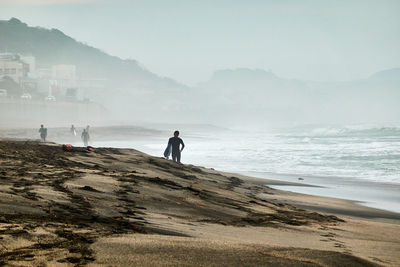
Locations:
column 167, row 151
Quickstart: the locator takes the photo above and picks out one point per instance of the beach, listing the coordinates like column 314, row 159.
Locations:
column 199, row 133
column 358, row 163
column 122, row 207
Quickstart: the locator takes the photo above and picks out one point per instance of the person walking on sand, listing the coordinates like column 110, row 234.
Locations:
column 85, row 137
column 175, row 143
column 43, row 133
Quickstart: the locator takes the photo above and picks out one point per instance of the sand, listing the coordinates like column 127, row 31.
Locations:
column 121, row 207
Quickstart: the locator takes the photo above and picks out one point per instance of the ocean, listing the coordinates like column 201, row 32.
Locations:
column 330, row 157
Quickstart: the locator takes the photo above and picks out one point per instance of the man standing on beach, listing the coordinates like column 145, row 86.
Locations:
column 85, row 137
column 73, row 130
column 43, row 133
column 175, row 142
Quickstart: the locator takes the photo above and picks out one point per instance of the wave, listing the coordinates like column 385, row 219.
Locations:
column 353, row 130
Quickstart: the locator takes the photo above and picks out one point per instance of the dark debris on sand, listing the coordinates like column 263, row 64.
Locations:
column 60, row 226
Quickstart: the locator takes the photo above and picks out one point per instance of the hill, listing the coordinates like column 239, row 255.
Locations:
column 230, row 97
column 387, row 75
column 130, row 90
column 52, row 47
column 259, row 97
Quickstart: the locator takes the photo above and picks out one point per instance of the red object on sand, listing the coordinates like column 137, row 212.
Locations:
column 67, row 147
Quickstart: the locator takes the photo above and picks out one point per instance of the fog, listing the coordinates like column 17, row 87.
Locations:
column 231, row 63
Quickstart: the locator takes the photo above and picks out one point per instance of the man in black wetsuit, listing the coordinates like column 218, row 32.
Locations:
column 175, row 142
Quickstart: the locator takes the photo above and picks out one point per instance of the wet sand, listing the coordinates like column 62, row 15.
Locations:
column 120, row 207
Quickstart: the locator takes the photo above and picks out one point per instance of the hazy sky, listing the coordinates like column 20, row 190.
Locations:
column 189, row 39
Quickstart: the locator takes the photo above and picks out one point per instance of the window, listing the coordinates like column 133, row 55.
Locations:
column 13, row 71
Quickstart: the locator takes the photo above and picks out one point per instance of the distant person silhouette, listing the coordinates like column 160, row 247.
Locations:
column 43, row 133
column 73, row 130
column 175, row 143
column 85, row 137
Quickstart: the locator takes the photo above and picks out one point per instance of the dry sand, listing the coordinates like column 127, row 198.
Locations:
column 120, row 207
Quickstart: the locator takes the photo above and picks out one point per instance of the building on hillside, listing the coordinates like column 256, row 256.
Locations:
column 67, row 72
column 57, row 80
column 62, row 78
column 12, row 66
column 92, row 88
column 31, row 61
column 65, row 75
column 44, row 73
column 60, row 81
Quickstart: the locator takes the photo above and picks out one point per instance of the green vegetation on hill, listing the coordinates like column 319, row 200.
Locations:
column 129, row 90
column 54, row 47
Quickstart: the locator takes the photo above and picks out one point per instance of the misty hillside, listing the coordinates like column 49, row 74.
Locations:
column 229, row 97
column 267, row 98
column 131, row 92
column 52, row 47
column 387, row 75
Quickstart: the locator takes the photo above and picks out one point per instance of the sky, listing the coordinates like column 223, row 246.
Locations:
column 187, row 40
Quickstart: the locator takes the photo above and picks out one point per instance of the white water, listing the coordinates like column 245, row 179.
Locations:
column 371, row 154
column 357, row 163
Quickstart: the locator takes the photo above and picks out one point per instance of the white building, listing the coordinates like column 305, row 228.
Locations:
column 17, row 67
column 44, row 73
column 12, row 66
column 65, row 75
column 31, row 61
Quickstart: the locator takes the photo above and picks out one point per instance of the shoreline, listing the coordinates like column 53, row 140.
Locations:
column 321, row 203
column 327, row 185
column 376, row 195
column 67, row 208
column 309, row 185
